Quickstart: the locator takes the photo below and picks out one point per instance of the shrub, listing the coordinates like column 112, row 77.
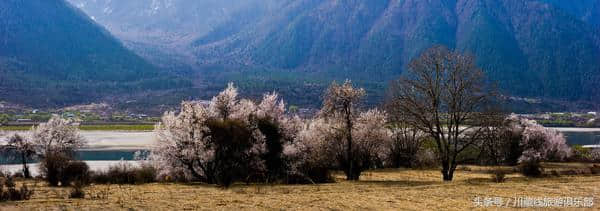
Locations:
column 595, row 169
column 52, row 166
column 11, row 193
column 18, row 175
column 100, row 177
column 58, row 168
column 77, row 191
column 531, row 169
column 311, row 175
column 498, row 176
column 77, row 171
column 581, row 154
column 426, row 158
column 568, row 172
column 404, row 146
column 145, row 174
column 125, row 173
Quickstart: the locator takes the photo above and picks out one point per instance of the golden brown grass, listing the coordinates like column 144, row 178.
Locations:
column 377, row 190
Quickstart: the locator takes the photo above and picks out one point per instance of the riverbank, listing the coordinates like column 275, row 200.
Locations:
column 107, row 140
column 95, row 165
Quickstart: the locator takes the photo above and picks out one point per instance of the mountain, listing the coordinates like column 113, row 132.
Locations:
column 585, row 10
column 160, row 29
column 533, row 48
column 53, row 54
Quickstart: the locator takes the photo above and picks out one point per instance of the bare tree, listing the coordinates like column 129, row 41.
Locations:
column 442, row 94
column 340, row 102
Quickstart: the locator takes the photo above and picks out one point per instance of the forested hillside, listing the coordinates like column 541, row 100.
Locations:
column 53, row 54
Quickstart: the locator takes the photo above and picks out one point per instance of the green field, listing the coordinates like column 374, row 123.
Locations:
column 93, row 127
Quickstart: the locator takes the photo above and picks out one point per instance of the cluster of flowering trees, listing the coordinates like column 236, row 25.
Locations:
column 442, row 97
column 230, row 138
column 237, row 139
column 53, row 143
column 260, row 140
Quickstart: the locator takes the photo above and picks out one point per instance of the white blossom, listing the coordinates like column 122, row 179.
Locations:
column 224, row 104
column 539, row 143
column 57, row 135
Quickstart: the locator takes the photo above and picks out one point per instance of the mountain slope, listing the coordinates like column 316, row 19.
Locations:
column 165, row 28
column 586, row 10
column 533, row 48
column 530, row 47
column 54, row 54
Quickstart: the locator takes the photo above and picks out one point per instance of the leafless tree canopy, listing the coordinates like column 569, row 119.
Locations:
column 442, row 94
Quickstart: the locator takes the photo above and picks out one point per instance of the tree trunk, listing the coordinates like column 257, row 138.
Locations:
column 26, row 172
column 447, row 171
column 448, row 176
column 349, row 157
column 354, row 174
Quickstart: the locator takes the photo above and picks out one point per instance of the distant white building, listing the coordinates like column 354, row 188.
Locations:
column 593, row 113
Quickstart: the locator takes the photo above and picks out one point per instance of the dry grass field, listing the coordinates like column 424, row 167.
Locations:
column 377, row 190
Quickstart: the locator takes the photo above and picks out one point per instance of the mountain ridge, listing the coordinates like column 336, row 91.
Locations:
column 53, row 54
column 532, row 48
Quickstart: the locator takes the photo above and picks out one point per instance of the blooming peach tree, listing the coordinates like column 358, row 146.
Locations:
column 56, row 136
column 199, row 141
column 539, row 143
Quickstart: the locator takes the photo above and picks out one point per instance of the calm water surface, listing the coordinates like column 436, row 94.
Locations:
column 581, row 136
column 107, row 148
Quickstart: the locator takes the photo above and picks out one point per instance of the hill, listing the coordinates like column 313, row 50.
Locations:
column 53, row 54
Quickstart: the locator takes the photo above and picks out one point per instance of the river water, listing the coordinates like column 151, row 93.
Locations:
column 106, row 148
column 581, row 136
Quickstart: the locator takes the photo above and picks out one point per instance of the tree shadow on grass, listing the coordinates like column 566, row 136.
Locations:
column 479, row 181
column 397, row 183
